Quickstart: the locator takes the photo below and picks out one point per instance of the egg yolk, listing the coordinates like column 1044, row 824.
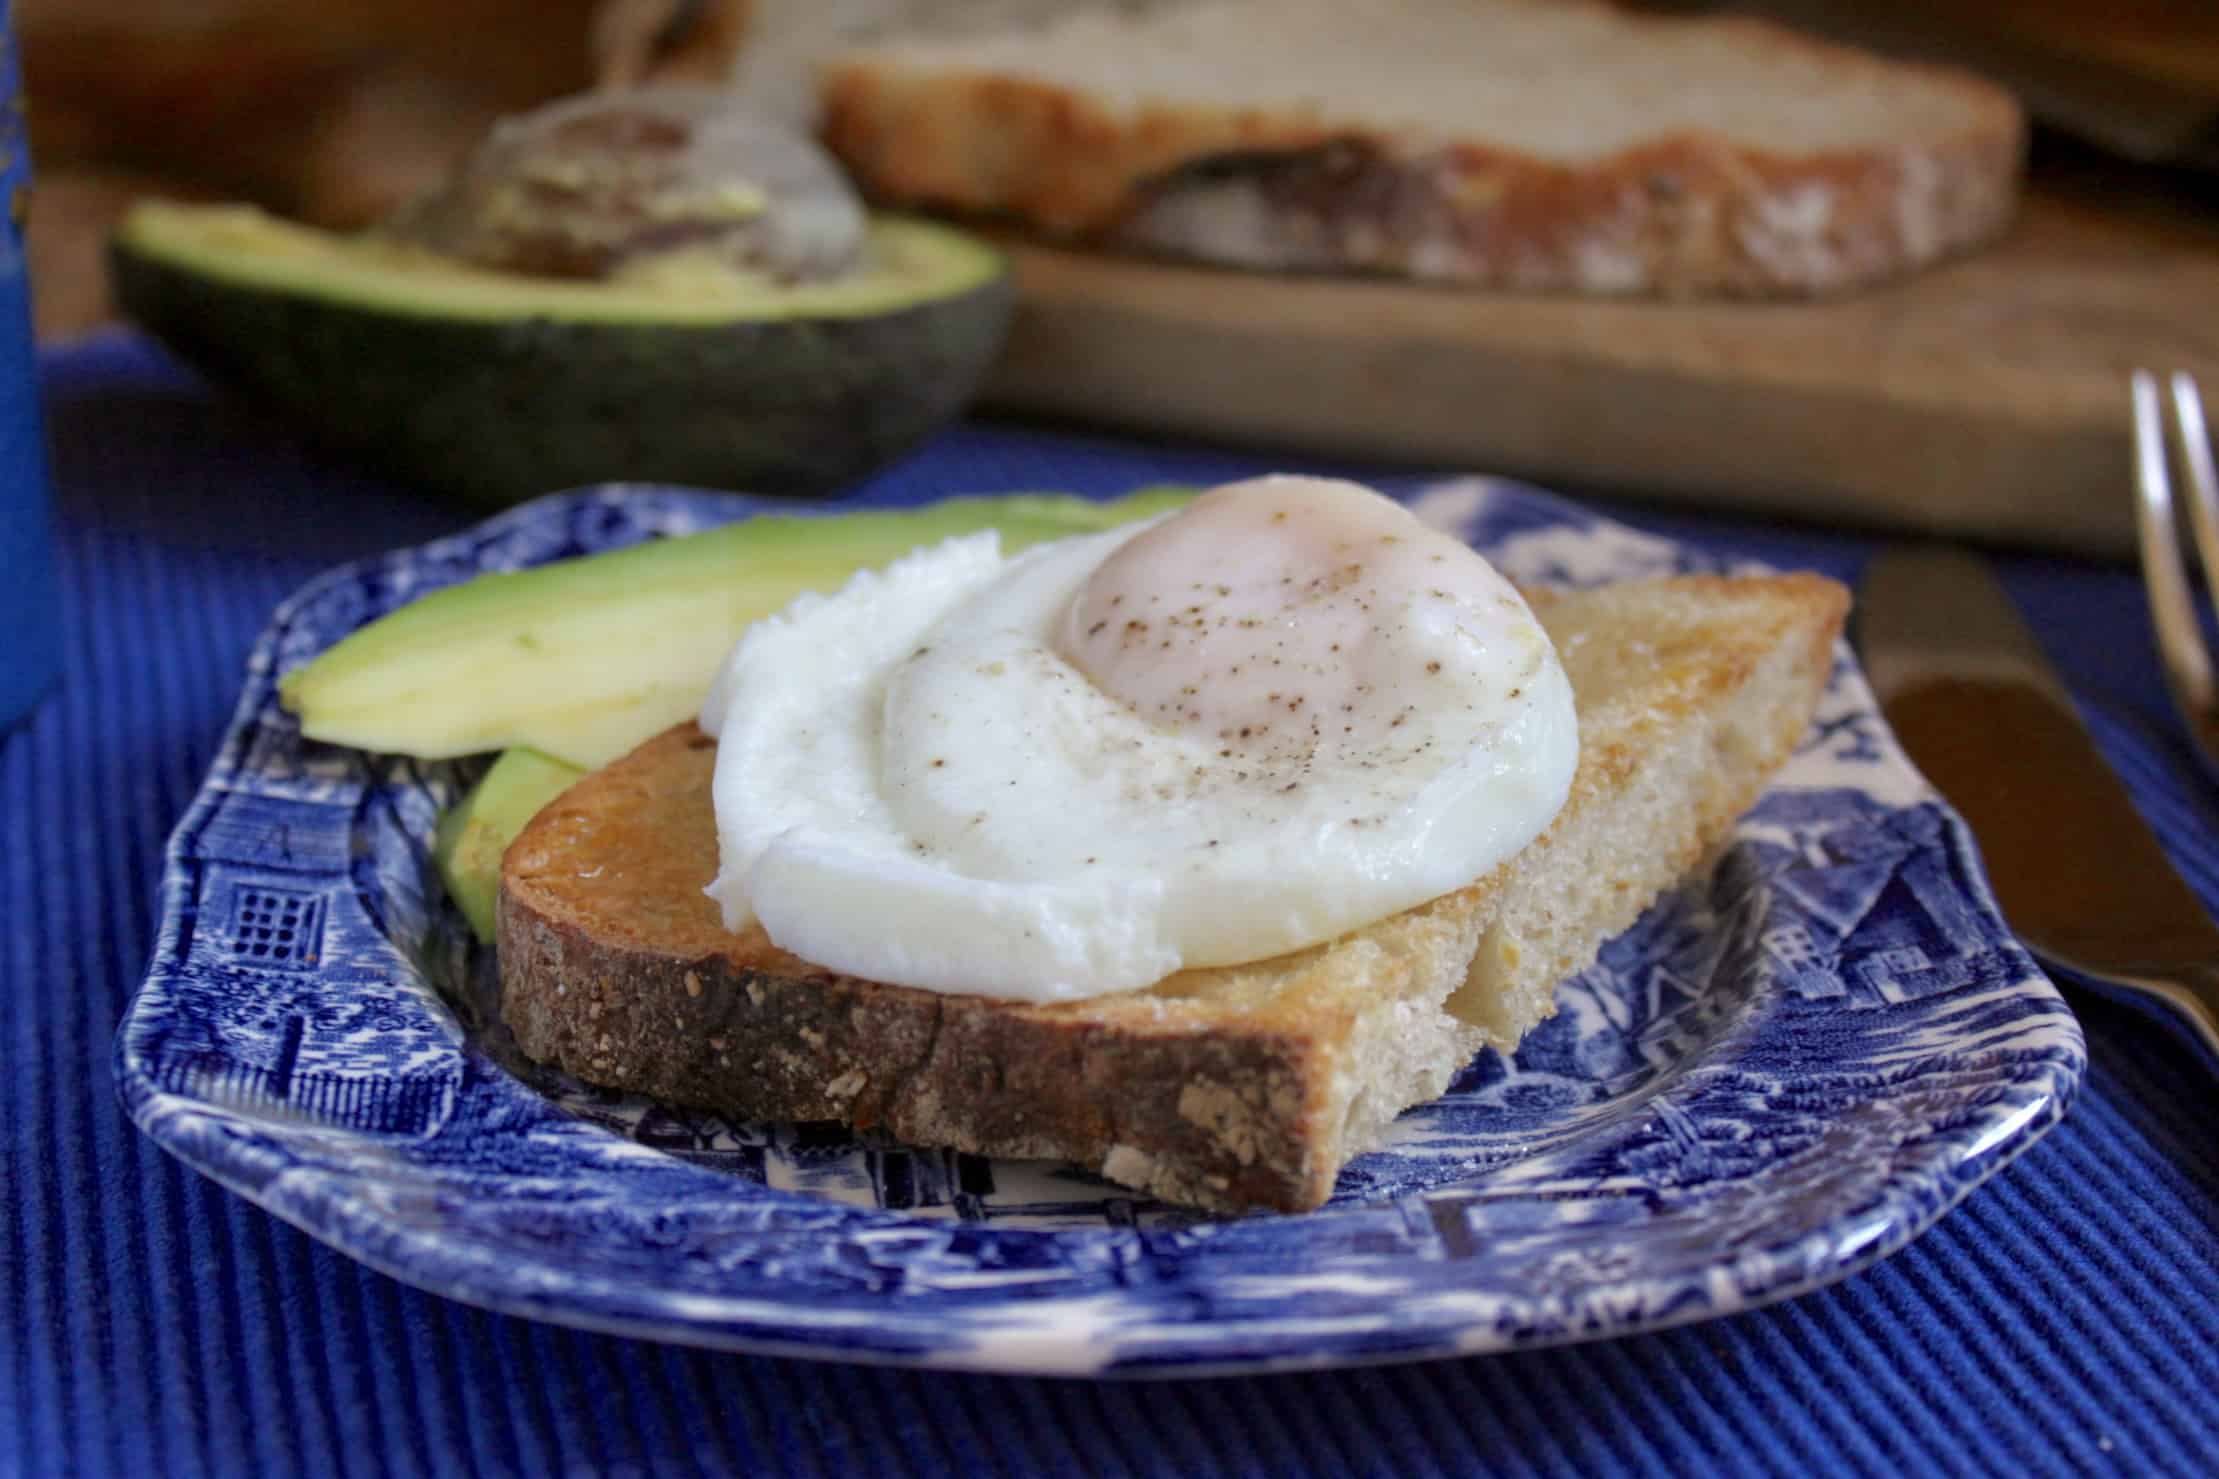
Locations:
column 1260, row 613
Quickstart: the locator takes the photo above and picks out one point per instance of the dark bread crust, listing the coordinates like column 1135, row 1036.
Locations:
column 697, row 1016
column 930, row 1069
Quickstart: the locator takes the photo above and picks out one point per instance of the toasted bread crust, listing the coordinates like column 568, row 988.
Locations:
column 1235, row 1088
column 731, row 1029
column 1680, row 214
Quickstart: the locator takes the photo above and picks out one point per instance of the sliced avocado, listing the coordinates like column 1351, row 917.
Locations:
column 478, row 829
column 586, row 658
column 500, row 386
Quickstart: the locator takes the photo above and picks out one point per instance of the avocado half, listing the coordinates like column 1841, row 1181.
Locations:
column 501, row 387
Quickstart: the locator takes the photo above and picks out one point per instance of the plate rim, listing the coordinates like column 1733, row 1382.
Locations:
column 193, row 1128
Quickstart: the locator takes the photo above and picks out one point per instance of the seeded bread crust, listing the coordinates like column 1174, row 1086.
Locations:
column 1676, row 213
column 1232, row 1089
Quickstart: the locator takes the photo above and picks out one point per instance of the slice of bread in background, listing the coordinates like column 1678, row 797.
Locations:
column 1233, row 1088
column 1550, row 145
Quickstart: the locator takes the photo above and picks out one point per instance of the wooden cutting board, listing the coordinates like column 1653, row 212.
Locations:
column 1986, row 398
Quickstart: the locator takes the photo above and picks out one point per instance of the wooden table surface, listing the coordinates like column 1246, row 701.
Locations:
column 1985, row 398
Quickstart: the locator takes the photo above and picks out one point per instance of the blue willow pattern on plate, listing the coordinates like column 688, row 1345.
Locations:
column 1785, row 1070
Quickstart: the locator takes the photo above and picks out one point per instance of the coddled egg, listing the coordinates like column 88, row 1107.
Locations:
column 1279, row 714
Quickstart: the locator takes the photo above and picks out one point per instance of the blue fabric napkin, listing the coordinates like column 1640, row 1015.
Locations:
column 2064, row 1319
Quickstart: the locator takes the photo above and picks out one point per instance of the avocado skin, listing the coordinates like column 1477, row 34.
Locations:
column 500, row 411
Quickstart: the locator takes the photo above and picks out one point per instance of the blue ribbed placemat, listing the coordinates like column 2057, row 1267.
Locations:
column 2064, row 1319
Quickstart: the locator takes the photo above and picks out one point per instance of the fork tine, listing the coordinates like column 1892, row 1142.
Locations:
column 2180, row 639
column 2203, row 483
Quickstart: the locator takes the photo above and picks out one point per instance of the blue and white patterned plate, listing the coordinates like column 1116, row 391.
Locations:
column 1786, row 1070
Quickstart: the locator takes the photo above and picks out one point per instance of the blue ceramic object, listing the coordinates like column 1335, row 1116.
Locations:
column 29, row 613
column 1786, row 1070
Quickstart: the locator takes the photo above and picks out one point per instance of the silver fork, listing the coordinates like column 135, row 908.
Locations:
column 2180, row 635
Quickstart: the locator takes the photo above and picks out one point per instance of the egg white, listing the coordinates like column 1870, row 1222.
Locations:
column 913, row 786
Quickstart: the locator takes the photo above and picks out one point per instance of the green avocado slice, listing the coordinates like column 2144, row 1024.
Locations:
column 478, row 829
column 584, row 659
column 499, row 386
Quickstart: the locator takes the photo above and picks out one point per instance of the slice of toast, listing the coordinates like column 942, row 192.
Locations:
column 1233, row 1088
column 1539, row 145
